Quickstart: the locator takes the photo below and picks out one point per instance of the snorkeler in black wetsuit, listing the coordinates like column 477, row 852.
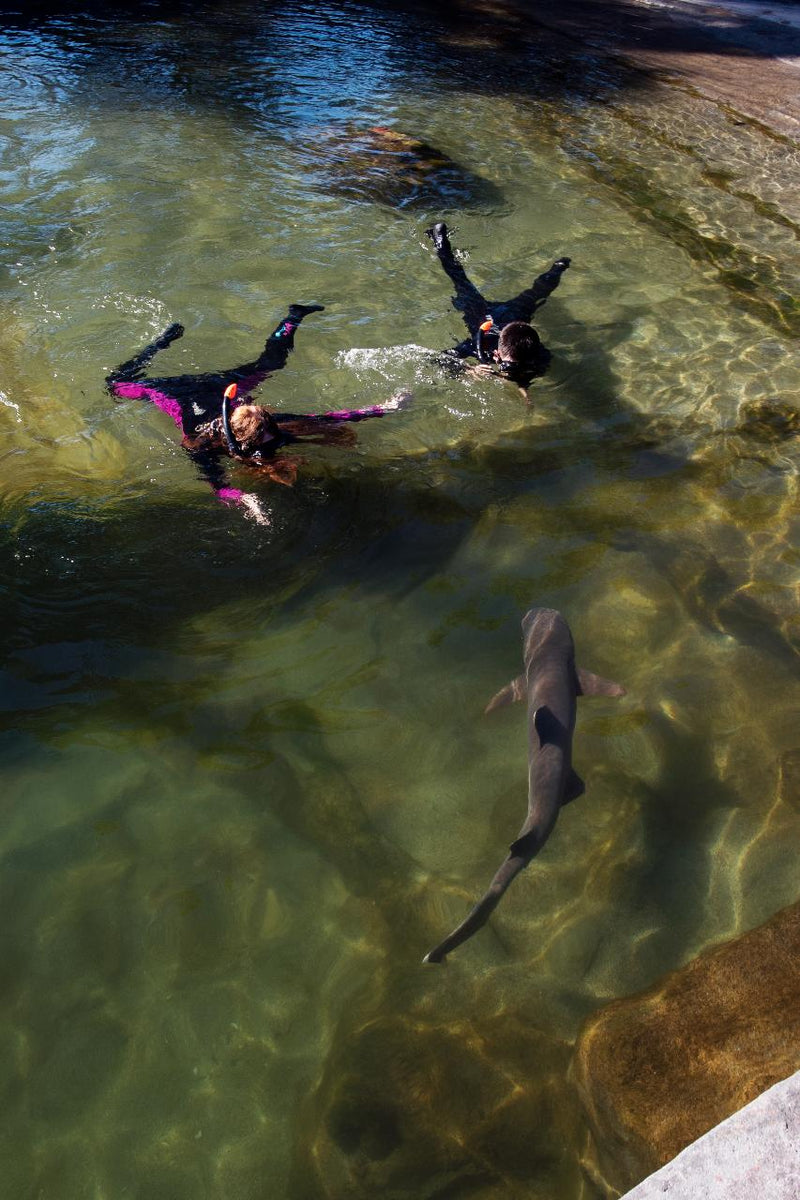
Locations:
column 500, row 332
column 202, row 408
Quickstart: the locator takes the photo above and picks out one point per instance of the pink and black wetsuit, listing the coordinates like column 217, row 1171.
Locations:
column 196, row 400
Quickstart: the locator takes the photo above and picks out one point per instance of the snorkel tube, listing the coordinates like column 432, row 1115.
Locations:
column 233, row 446
column 487, row 326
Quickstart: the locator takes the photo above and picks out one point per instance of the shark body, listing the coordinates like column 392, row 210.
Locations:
column 551, row 684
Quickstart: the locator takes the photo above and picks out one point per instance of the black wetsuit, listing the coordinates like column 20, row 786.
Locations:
column 475, row 308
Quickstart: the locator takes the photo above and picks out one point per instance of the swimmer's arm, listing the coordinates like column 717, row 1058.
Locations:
column 247, row 501
column 481, row 371
column 485, row 371
column 210, row 469
column 451, row 363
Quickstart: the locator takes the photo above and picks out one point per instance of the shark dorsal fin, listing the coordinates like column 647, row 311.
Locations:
column 546, row 724
column 595, row 685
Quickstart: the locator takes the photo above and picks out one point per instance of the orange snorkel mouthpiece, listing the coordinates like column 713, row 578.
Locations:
column 487, row 326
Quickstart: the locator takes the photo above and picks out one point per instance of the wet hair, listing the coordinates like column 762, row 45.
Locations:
column 519, row 343
column 249, row 424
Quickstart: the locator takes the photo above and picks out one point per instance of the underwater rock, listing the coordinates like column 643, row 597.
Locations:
column 658, row 1070
column 769, row 420
column 385, row 166
column 411, row 1107
column 789, row 778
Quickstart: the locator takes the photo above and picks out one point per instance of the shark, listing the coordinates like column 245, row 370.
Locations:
column 551, row 683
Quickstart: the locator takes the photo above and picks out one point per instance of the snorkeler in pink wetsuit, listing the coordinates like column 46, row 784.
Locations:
column 213, row 427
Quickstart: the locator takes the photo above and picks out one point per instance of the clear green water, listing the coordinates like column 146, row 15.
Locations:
column 247, row 781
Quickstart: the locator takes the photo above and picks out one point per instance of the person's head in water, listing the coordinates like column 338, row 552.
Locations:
column 518, row 348
column 253, row 426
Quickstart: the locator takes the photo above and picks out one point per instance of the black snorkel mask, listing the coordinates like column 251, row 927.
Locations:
column 487, row 326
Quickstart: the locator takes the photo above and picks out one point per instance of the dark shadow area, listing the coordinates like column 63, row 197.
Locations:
column 677, row 27
column 236, row 57
column 91, row 597
column 670, row 884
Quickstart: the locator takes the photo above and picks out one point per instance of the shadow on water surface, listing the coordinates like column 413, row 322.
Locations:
column 682, row 27
column 386, row 527
column 500, row 50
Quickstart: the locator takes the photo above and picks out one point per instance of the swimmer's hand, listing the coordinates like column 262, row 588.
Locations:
column 398, row 400
column 169, row 335
column 482, row 371
column 254, row 509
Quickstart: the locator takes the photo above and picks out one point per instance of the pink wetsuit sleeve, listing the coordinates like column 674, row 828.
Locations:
column 354, row 414
column 228, row 495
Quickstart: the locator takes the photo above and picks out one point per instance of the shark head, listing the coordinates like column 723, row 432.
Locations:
column 545, row 627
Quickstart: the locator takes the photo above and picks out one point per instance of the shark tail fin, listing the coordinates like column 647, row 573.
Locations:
column 516, row 690
column 590, row 684
column 480, row 913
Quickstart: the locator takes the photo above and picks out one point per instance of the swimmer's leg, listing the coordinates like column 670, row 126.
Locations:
column 129, row 371
column 281, row 341
column 523, row 306
column 468, row 300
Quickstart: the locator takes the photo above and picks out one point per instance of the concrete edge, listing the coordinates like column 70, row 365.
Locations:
column 752, row 1155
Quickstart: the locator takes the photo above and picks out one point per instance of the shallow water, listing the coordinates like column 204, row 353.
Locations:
column 247, row 778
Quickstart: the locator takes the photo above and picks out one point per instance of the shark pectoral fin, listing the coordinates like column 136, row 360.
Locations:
column 595, row 685
column 516, row 690
column 573, row 787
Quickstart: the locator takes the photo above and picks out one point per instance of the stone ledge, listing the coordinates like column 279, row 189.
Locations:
column 755, row 1153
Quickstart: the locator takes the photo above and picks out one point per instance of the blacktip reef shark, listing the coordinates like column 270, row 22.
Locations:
column 551, row 683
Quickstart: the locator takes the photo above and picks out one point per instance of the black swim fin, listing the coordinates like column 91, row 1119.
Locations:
column 169, row 335
column 298, row 311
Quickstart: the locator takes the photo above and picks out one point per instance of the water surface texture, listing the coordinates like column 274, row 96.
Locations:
column 247, row 779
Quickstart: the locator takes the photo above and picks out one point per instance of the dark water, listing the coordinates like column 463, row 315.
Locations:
column 247, row 778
